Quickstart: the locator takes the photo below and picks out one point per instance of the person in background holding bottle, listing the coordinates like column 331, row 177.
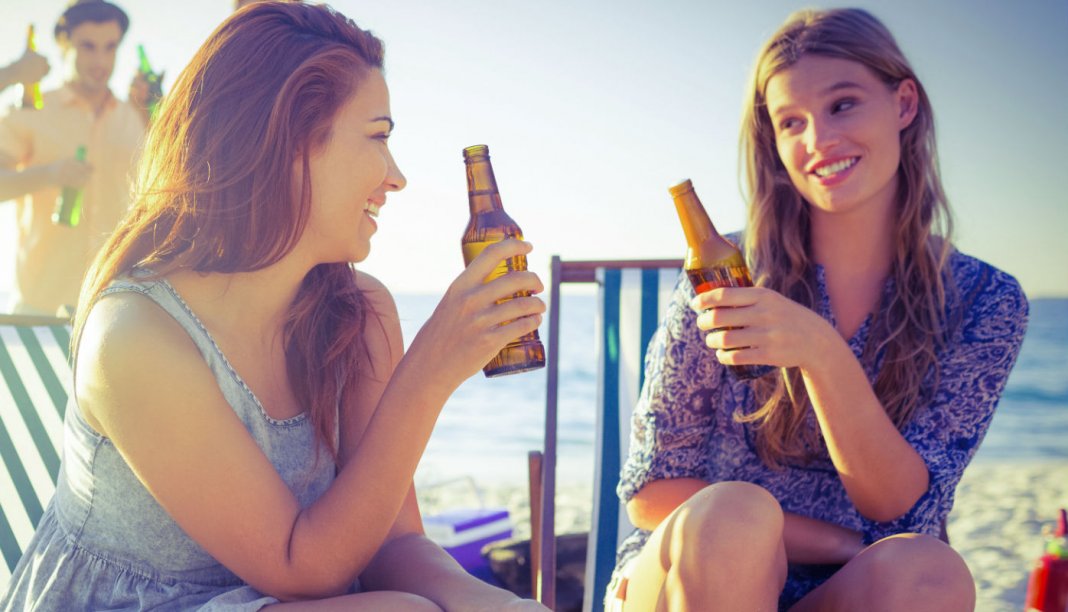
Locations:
column 244, row 411
column 29, row 68
column 825, row 486
column 38, row 159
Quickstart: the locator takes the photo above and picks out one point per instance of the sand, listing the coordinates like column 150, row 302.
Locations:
column 997, row 525
column 997, row 522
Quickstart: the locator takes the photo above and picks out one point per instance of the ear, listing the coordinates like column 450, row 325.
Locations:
column 908, row 100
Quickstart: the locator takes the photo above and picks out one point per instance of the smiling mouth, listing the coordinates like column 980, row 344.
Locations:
column 371, row 210
column 836, row 167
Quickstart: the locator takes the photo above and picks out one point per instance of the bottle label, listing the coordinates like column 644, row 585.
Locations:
column 707, row 279
column 472, row 250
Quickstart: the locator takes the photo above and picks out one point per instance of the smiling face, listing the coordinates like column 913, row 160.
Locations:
column 89, row 52
column 837, row 132
column 350, row 175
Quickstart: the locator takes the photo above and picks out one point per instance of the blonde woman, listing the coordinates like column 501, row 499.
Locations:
column 825, row 484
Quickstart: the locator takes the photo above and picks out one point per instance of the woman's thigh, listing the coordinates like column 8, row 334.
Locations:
column 371, row 601
column 910, row 572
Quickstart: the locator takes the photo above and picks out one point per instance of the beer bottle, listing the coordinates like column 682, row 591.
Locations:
column 711, row 260
column 69, row 205
column 31, row 92
column 154, row 79
column 489, row 223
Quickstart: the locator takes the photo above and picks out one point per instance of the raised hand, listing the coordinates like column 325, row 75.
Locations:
column 29, row 68
column 70, row 172
column 475, row 319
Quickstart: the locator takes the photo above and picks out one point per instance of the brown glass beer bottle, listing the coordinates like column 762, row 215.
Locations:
column 489, row 223
column 711, row 260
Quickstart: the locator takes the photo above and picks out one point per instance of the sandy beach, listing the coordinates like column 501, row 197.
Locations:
column 996, row 524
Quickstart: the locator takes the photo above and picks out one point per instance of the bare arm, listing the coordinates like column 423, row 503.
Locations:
column 17, row 183
column 163, row 411
column 411, row 562
column 881, row 472
column 659, row 498
column 407, row 561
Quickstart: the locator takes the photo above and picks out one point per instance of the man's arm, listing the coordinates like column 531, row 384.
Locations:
column 15, row 183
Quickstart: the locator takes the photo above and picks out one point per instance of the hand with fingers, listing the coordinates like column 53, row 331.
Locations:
column 475, row 318
column 29, row 68
column 756, row 325
column 70, row 172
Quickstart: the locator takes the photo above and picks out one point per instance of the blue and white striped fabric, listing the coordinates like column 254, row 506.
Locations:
column 36, row 376
column 632, row 303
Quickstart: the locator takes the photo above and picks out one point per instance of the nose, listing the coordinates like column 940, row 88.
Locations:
column 395, row 180
column 820, row 135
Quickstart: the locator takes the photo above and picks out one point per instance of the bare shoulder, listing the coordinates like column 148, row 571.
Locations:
column 378, row 295
column 381, row 330
column 132, row 353
column 383, row 321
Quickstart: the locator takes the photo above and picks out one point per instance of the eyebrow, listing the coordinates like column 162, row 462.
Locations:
column 385, row 118
column 840, row 85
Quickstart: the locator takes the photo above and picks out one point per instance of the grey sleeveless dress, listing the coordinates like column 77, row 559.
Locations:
column 104, row 543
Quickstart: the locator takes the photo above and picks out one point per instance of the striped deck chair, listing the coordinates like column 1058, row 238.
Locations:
column 36, row 377
column 632, row 299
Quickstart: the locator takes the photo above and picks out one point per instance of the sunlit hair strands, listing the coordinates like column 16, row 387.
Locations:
column 215, row 185
column 913, row 326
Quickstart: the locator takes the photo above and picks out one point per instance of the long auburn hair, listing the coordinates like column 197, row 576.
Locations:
column 215, row 181
column 910, row 327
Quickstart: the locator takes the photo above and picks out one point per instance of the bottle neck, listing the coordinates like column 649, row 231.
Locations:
column 696, row 225
column 482, row 194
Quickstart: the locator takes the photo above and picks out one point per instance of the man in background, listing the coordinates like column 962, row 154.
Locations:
column 37, row 160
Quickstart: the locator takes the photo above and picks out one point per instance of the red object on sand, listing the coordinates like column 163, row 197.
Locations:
column 1047, row 590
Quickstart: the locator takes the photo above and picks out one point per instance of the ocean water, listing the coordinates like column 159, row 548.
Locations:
column 489, row 425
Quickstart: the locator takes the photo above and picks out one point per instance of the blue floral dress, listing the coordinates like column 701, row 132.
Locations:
column 683, row 426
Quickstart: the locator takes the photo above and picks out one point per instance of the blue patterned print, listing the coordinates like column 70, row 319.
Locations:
column 683, row 425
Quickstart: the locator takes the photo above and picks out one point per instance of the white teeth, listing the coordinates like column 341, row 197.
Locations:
column 835, row 168
column 371, row 209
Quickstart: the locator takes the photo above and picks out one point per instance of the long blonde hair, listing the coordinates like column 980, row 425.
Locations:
column 909, row 329
column 215, row 182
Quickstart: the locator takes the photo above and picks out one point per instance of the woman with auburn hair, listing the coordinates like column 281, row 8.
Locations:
column 823, row 485
column 245, row 423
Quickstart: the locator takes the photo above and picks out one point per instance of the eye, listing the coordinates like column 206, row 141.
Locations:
column 843, row 105
column 789, row 124
column 383, row 136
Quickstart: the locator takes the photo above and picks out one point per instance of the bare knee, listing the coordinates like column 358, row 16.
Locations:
column 730, row 519
column 919, row 572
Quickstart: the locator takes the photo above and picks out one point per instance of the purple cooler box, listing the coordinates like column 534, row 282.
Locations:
column 464, row 531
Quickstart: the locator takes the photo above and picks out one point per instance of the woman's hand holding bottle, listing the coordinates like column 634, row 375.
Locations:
column 475, row 319
column 756, row 325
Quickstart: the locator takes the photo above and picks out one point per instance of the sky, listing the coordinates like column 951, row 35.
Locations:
column 593, row 108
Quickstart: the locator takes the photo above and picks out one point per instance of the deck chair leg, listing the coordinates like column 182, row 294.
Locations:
column 534, row 468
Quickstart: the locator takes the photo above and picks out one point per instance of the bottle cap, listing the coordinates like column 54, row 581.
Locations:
column 681, row 188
